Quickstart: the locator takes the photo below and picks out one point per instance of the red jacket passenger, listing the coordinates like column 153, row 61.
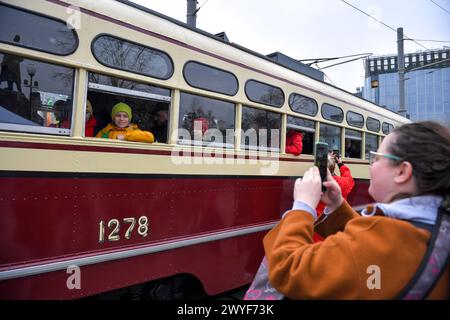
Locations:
column 294, row 144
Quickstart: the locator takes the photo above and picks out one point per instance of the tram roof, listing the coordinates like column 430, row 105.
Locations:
column 239, row 47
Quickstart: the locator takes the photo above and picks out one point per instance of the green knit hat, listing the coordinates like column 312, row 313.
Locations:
column 121, row 107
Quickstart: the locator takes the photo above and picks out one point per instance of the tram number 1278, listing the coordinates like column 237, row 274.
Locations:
column 113, row 227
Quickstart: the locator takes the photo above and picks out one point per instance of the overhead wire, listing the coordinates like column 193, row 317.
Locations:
column 379, row 21
column 198, row 9
column 448, row 12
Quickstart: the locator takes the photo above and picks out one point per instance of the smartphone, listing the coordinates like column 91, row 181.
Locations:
column 321, row 161
column 337, row 154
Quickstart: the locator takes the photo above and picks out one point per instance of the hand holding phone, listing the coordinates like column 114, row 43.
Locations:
column 321, row 161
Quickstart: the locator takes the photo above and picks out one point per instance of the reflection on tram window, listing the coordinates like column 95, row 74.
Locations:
column 264, row 93
column 27, row 29
column 206, row 121
column 261, row 129
column 125, row 55
column 35, row 96
column 332, row 113
column 302, row 104
column 371, row 144
column 331, row 135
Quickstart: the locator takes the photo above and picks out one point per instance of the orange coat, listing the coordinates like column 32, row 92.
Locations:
column 340, row 266
column 131, row 133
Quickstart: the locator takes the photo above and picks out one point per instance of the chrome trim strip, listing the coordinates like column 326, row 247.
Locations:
column 294, row 126
column 62, row 265
column 33, row 129
column 128, row 92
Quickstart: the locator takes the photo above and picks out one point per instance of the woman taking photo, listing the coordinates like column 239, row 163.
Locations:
column 374, row 255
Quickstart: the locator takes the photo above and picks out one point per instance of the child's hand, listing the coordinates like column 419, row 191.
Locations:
column 120, row 137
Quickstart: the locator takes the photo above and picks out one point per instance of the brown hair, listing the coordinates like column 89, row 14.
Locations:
column 426, row 145
column 331, row 163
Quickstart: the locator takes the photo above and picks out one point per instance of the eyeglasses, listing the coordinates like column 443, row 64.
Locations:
column 375, row 156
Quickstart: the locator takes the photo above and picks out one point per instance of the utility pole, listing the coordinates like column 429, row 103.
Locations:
column 401, row 72
column 191, row 16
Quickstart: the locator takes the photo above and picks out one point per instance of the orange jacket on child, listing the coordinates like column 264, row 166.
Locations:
column 131, row 133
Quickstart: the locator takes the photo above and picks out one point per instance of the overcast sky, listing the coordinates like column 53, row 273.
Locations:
column 305, row 29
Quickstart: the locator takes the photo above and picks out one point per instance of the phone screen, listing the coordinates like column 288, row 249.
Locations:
column 321, row 160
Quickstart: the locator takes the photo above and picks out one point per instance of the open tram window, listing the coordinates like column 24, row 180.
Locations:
column 261, row 129
column 149, row 104
column 353, row 140
column 331, row 135
column 205, row 121
column 35, row 96
column 306, row 128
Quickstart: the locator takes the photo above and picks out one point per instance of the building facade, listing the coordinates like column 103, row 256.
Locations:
column 427, row 84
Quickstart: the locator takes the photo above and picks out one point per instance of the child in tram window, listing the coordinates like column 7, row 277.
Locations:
column 294, row 143
column 91, row 122
column 122, row 129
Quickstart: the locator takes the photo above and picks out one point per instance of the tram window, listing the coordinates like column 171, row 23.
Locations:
column 331, row 135
column 373, row 124
column 332, row 113
column 35, row 96
column 103, row 80
column 353, row 140
column 387, row 128
column 355, row 119
column 371, row 144
column 307, row 128
column 264, row 93
column 124, row 55
column 206, row 121
column 146, row 101
column 30, row 30
column 202, row 76
column 302, row 104
column 261, row 129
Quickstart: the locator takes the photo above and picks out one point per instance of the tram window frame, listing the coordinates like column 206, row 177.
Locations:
column 371, row 120
column 187, row 122
column 367, row 145
column 31, row 116
column 307, row 132
column 267, row 85
column 352, row 138
column 353, row 124
column 172, row 65
column 291, row 97
column 389, row 129
column 246, row 134
column 38, row 14
column 327, row 105
column 145, row 105
column 335, row 143
column 186, row 78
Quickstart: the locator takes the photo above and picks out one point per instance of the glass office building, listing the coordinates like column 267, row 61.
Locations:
column 427, row 84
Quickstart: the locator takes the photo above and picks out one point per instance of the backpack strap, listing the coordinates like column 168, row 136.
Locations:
column 435, row 260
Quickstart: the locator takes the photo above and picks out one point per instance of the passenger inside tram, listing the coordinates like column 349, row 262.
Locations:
column 91, row 122
column 352, row 148
column 161, row 125
column 121, row 127
column 144, row 111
